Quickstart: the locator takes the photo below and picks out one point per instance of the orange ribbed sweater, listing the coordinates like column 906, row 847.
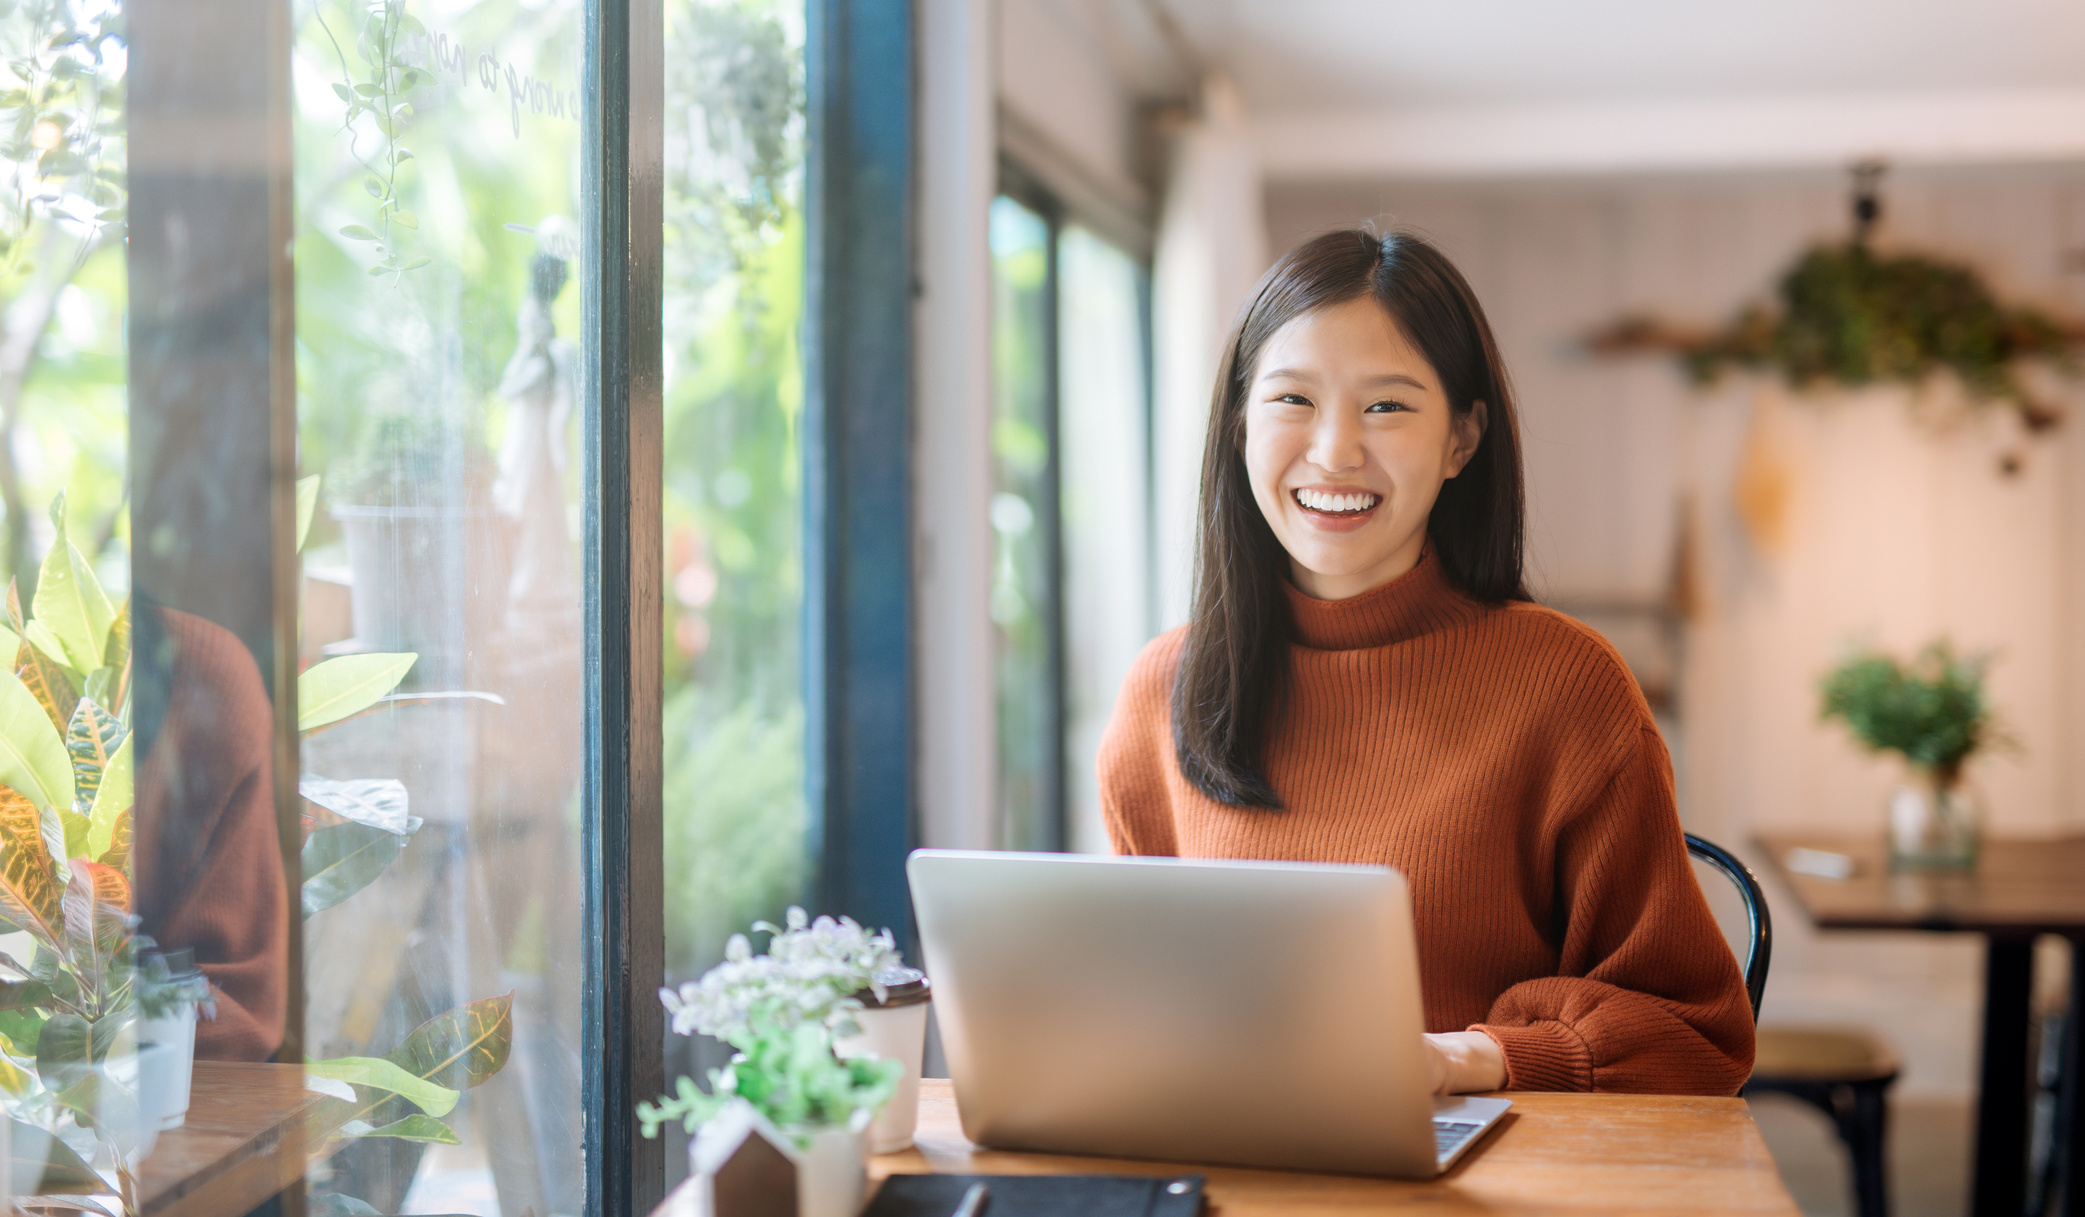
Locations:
column 1504, row 760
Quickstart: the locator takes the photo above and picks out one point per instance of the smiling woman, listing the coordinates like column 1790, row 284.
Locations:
column 1364, row 679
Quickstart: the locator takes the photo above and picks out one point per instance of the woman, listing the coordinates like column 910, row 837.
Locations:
column 1364, row 679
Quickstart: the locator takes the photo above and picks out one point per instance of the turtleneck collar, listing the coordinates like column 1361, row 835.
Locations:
column 1417, row 602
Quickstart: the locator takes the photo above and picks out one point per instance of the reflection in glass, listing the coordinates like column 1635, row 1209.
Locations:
column 437, row 176
column 1024, row 503
column 734, row 723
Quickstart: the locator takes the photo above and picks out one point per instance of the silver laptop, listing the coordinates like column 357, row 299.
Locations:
column 1248, row 1013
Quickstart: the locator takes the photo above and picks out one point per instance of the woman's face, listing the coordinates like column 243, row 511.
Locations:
column 1348, row 437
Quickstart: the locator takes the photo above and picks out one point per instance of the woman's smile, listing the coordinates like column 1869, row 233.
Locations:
column 1336, row 508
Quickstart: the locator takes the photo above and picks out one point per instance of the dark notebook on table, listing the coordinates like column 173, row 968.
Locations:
column 1041, row 1196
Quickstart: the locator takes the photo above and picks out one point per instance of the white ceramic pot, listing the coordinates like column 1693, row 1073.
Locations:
column 163, row 1078
column 831, row 1164
column 895, row 1030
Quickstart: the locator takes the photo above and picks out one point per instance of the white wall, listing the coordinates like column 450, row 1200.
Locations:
column 1897, row 528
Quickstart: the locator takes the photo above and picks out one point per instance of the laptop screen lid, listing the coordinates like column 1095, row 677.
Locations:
column 1256, row 1013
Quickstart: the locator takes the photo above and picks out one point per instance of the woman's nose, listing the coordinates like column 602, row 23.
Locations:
column 1335, row 441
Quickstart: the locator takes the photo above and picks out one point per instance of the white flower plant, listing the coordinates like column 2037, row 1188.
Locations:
column 782, row 1011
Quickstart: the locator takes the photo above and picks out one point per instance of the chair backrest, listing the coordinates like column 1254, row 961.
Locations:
column 1759, row 924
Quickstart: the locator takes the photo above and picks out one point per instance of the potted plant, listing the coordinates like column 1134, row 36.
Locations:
column 782, row 1012
column 1932, row 712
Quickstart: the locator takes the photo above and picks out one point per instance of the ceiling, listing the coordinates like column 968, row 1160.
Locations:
column 1337, row 87
column 1319, row 54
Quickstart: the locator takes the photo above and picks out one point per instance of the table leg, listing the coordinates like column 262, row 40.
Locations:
column 2001, row 1115
column 2070, row 1130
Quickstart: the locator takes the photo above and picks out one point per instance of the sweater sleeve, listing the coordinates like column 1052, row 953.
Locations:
column 1647, row 996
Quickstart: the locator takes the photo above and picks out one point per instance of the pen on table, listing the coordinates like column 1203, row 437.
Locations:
column 973, row 1201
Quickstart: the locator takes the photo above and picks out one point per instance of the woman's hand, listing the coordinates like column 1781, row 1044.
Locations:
column 1463, row 1062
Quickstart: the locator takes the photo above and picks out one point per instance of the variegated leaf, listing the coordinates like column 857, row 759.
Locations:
column 111, row 800
column 462, row 1047
column 117, row 855
column 117, row 653
column 27, row 887
column 96, row 905
column 47, row 679
column 32, row 751
column 14, row 606
column 340, row 688
column 91, row 739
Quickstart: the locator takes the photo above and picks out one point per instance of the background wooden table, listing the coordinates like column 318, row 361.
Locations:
column 1553, row 1154
column 248, row 1135
column 2019, row 889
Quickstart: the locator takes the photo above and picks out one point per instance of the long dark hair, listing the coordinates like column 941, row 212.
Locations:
column 1234, row 666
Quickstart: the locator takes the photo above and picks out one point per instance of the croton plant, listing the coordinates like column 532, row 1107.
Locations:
column 68, row 1009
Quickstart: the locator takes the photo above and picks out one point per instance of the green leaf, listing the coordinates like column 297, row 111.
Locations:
column 460, row 1047
column 417, row 263
column 111, row 799
column 39, row 1164
column 330, row 691
column 406, row 219
column 117, row 653
column 33, row 759
column 10, row 642
column 90, row 739
column 307, row 503
column 343, row 92
column 342, row 859
column 64, row 1052
column 381, row 1074
column 417, row 1128
column 355, row 232
column 24, row 1027
column 57, row 836
column 69, row 601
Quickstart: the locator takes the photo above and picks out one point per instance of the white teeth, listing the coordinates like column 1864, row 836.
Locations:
column 1318, row 501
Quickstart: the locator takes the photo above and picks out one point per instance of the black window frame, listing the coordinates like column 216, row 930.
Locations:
column 1029, row 188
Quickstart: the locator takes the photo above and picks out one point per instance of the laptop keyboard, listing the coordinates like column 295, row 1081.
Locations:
column 1449, row 1135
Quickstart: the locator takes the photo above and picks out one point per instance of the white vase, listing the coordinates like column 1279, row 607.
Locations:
column 895, row 1033
column 1934, row 824
column 893, row 1027
column 163, row 1078
column 832, row 1173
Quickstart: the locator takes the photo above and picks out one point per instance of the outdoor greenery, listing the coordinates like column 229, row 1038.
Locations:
column 1931, row 710
column 62, row 286
column 1850, row 316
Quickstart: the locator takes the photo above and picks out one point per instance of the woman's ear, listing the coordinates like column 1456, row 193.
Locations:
column 1468, row 433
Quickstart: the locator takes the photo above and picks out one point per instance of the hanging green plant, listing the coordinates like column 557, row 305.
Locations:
column 1849, row 316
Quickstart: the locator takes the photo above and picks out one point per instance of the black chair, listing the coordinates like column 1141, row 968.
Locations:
column 1759, row 923
column 1845, row 1072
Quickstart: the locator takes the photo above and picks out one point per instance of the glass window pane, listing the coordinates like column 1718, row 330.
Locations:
column 734, row 809
column 1024, row 503
column 437, row 170
column 1103, row 428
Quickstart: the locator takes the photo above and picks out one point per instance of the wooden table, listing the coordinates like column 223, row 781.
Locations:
column 1552, row 1154
column 2020, row 888
column 248, row 1136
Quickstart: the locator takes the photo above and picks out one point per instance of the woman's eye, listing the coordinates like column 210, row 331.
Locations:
column 1293, row 399
column 1386, row 407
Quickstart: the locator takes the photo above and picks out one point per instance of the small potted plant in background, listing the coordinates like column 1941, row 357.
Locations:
column 783, row 1013
column 1932, row 712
